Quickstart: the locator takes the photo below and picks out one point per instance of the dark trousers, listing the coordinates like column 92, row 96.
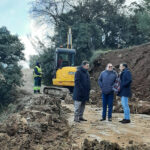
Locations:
column 107, row 101
column 37, row 84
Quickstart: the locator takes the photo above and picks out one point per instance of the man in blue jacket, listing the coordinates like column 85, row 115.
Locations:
column 106, row 81
column 125, row 91
column 81, row 91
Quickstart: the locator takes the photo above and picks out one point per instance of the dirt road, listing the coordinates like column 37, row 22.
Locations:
column 28, row 81
column 137, row 132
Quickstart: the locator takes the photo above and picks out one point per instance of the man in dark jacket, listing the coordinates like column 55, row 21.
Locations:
column 125, row 91
column 81, row 91
column 37, row 77
column 106, row 81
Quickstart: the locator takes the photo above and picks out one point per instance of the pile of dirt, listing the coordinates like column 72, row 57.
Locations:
column 105, row 145
column 40, row 125
column 136, row 107
column 68, row 99
column 95, row 98
column 138, row 61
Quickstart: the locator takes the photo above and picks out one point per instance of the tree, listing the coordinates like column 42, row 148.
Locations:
column 139, row 20
column 96, row 24
column 10, row 54
column 90, row 22
column 48, row 65
column 143, row 25
column 49, row 11
column 32, row 60
column 46, row 57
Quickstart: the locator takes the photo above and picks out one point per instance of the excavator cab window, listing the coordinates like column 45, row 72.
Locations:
column 65, row 57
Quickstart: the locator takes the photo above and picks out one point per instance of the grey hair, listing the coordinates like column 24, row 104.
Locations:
column 84, row 62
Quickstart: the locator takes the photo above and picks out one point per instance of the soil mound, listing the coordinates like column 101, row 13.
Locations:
column 105, row 145
column 39, row 126
column 138, row 60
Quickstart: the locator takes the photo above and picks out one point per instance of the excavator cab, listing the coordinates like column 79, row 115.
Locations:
column 65, row 57
column 65, row 69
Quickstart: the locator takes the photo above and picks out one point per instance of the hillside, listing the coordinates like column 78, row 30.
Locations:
column 138, row 60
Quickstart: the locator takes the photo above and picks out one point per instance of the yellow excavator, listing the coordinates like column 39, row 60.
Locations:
column 65, row 70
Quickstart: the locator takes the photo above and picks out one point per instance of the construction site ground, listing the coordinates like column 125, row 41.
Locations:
column 135, row 133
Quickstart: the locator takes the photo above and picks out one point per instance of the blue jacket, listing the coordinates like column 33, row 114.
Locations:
column 125, row 83
column 106, row 81
column 82, row 85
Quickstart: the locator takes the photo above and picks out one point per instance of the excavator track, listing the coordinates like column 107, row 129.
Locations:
column 56, row 91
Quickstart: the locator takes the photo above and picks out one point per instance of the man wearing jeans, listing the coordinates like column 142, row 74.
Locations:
column 106, row 81
column 81, row 91
column 125, row 91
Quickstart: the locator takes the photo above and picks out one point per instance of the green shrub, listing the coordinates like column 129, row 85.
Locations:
column 10, row 72
column 47, row 60
column 96, row 54
column 32, row 61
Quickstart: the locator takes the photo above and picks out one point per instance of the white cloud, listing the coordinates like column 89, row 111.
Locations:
column 35, row 30
column 40, row 31
column 128, row 2
column 29, row 50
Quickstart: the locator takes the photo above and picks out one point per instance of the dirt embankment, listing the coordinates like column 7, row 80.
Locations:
column 105, row 145
column 138, row 60
column 39, row 125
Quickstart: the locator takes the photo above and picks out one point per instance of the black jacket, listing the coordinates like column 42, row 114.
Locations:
column 125, row 83
column 82, row 85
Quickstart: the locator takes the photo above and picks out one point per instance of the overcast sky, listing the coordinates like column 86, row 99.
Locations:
column 14, row 14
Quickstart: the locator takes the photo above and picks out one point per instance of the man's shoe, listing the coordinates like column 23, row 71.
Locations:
column 126, row 121
column 102, row 119
column 109, row 119
column 82, row 119
column 122, row 120
column 39, row 92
